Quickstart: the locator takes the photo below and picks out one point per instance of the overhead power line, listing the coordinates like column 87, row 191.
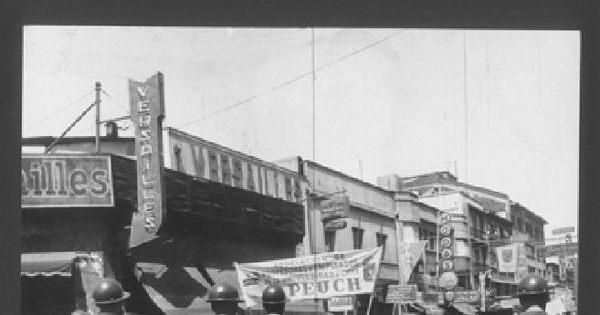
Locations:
column 59, row 110
column 277, row 87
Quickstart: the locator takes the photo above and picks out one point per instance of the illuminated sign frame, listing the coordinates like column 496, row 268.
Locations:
column 63, row 181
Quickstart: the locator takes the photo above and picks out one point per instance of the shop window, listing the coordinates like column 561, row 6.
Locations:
column 381, row 240
column 330, row 241
column 357, row 237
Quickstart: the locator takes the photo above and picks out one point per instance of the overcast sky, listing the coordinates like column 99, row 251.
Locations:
column 498, row 108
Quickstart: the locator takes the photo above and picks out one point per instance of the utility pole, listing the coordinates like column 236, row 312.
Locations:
column 399, row 240
column 98, row 89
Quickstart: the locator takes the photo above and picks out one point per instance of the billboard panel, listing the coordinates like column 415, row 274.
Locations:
column 49, row 180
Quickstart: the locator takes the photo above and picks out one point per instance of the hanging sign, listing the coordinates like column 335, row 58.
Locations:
column 340, row 304
column 147, row 112
column 401, row 293
column 334, row 208
column 318, row 276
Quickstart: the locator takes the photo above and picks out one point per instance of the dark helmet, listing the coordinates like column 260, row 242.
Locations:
column 109, row 291
column 531, row 285
column 223, row 293
column 273, row 294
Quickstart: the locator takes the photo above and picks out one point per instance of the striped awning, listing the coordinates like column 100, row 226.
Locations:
column 47, row 264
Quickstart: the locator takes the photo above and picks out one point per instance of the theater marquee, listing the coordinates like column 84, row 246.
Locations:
column 66, row 181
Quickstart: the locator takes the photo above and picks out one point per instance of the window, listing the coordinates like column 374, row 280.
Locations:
column 357, row 237
column 178, row 160
column 520, row 225
column 381, row 238
column 528, row 229
column 329, row 240
column 512, row 219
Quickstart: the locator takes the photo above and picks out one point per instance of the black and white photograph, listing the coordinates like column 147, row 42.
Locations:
column 299, row 170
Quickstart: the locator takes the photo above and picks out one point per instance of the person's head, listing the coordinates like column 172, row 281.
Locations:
column 533, row 290
column 273, row 299
column 110, row 297
column 223, row 299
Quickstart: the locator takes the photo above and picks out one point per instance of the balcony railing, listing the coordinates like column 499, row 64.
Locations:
column 478, row 234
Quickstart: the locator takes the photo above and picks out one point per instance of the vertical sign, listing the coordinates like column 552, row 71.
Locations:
column 448, row 280
column 147, row 112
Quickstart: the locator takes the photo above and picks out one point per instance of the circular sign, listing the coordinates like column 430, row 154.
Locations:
column 447, row 265
column 446, row 241
column 448, row 280
column 446, row 253
column 445, row 217
column 445, row 230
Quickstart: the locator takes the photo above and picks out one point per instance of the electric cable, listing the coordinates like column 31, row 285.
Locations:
column 277, row 87
column 58, row 110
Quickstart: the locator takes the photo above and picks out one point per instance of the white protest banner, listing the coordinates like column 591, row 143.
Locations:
column 319, row 276
column 409, row 255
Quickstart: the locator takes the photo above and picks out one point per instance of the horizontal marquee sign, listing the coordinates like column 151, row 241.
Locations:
column 559, row 249
column 320, row 276
column 563, row 230
column 49, row 180
column 210, row 161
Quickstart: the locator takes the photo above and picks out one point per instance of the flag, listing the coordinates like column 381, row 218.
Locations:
column 507, row 258
column 409, row 256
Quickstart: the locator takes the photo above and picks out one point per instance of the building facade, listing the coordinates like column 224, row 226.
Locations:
column 210, row 224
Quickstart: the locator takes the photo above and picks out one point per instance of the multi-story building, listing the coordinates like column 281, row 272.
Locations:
column 528, row 229
column 480, row 222
column 370, row 222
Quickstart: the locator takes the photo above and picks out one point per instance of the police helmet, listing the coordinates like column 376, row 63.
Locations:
column 273, row 294
column 532, row 285
column 223, row 293
column 109, row 291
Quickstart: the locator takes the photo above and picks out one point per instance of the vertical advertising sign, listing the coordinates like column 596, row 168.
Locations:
column 146, row 100
column 507, row 258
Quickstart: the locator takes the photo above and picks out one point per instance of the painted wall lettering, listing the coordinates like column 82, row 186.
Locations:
column 204, row 159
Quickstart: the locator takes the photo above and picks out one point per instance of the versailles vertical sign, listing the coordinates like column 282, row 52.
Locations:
column 146, row 101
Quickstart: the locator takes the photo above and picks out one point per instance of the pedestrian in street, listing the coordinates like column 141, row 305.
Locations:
column 110, row 297
column 273, row 300
column 224, row 299
column 533, row 295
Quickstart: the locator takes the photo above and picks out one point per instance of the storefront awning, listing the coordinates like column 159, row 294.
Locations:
column 47, row 264
column 466, row 309
column 182, row 290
